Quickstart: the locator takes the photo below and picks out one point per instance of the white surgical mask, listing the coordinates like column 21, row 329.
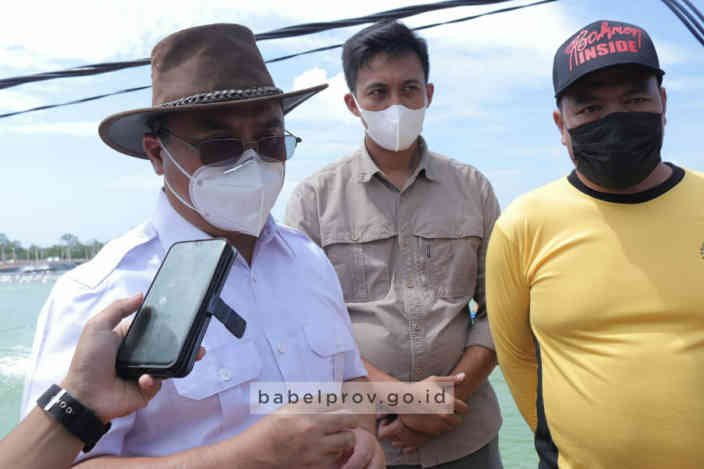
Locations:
column 396, row 127
column 233, row 196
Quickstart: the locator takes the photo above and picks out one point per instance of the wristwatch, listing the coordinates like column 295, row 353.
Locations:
column 77, row 418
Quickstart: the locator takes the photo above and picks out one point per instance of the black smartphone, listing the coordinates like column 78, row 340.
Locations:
column 165, row 335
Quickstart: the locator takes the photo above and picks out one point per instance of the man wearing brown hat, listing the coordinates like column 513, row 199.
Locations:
column 594, row 282
column 215, row 131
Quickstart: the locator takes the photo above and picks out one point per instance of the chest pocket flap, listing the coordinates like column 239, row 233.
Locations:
column 449, row 249
column 329, row 345
column 226, row 367
column 361, row 258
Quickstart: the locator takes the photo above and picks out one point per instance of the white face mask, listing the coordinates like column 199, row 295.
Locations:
column 396, row 127
column 233, row 196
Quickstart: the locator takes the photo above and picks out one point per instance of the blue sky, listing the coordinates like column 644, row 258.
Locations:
column 492, row 105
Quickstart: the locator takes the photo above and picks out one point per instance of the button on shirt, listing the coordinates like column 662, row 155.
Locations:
column 409, row 262
column 298, row 330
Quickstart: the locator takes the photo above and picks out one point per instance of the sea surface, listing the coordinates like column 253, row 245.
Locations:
column 21, row 300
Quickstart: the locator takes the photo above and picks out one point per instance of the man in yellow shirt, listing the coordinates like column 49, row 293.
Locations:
column 594, row 282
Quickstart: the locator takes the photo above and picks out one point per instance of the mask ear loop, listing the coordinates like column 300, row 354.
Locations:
column 166, row 180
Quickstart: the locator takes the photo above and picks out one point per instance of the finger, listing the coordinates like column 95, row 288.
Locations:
column 363, row 451
column 149, row 386
column 389, row 430
column 113, row 314
column 201, row 353
column 409, row 449
column 461, row 407
column 452, row 420
column 123, row 326
column 338, row 442
column 378, row 459
column 451, row 379
column 333, row 422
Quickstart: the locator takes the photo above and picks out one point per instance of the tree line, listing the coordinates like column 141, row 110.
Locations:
column 69, row 248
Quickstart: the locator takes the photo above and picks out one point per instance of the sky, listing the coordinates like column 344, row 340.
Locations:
column 492, row 106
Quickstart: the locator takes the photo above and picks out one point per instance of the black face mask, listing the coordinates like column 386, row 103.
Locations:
column 619, row 150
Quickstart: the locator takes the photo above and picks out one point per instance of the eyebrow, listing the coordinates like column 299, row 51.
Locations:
column 583, row 97
column 213, row 125
column 638, row 86
column 376, row 84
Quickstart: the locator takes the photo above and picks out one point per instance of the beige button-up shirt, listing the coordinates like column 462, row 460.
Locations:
column 409, row 262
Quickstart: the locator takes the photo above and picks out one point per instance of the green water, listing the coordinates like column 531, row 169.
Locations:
column 20, row 303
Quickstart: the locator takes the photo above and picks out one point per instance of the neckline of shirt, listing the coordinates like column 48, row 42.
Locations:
column 636, row 198
column 171, row 227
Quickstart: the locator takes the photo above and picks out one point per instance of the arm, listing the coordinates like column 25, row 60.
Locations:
column 41, row 441
column 477, row 363
column 479, row 357
column 508, row 299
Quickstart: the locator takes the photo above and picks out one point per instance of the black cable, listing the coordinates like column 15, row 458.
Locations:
column 694, row 9
column 394, row 14
column 467, row 18
column 691, row 29
column 277, row 59
column 289, row 31
column 419, row 28
column 77, row 101
column 689, row 16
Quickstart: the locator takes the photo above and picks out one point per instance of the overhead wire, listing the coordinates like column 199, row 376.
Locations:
column 689, row 21
column 117, row 65
column 285, row 32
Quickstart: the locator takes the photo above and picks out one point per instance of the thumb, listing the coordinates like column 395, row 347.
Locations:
column 113, row 314
column 451, row 379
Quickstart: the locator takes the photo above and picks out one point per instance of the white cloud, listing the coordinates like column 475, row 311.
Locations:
column 328, row 105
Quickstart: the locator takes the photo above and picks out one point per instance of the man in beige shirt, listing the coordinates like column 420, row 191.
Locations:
column 407, row 230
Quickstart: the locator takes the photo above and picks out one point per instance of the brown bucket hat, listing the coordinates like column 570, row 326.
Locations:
column 205, row 67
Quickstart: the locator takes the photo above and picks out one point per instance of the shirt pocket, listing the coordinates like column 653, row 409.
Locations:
column 449, row 252
column 362, row 263
column 226, row 367
column 329, row 345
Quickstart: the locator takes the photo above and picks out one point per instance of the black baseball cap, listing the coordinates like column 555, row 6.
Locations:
column 599, row 45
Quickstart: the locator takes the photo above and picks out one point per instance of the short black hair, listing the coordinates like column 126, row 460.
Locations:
column 390, row 37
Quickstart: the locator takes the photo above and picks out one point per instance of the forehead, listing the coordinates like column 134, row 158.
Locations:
column 259, row 114
column 386, row 68
column 624, row 77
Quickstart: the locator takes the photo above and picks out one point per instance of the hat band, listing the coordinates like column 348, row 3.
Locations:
column 224, row 95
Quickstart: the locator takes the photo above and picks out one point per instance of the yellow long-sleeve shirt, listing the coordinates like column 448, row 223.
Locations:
column 596, row 306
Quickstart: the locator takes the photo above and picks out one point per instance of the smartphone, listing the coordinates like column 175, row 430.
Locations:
column 165, row 335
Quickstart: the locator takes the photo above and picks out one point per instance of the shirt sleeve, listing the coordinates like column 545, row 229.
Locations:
column 508, row 299
column 302, row 212
column 58, row 329
column 479, row 333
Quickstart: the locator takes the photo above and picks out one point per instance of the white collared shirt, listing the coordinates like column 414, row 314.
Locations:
column 298, row 330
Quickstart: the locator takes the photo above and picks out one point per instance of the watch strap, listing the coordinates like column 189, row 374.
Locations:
column 77, row 418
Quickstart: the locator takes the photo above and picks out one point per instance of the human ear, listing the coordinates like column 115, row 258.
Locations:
column 152, row 147
column 561, row 127
column 352, row 105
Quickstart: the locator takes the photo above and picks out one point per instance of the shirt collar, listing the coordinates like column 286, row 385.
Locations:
column 173, row 228
column 368, row 168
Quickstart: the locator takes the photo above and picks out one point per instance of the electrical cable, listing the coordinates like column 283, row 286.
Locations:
column 286, row 32
column 277, row 59
column 692, row 19
column 675, row 7
column 694, row 9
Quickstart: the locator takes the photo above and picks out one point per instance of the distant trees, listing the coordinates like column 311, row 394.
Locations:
column 69, row 248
